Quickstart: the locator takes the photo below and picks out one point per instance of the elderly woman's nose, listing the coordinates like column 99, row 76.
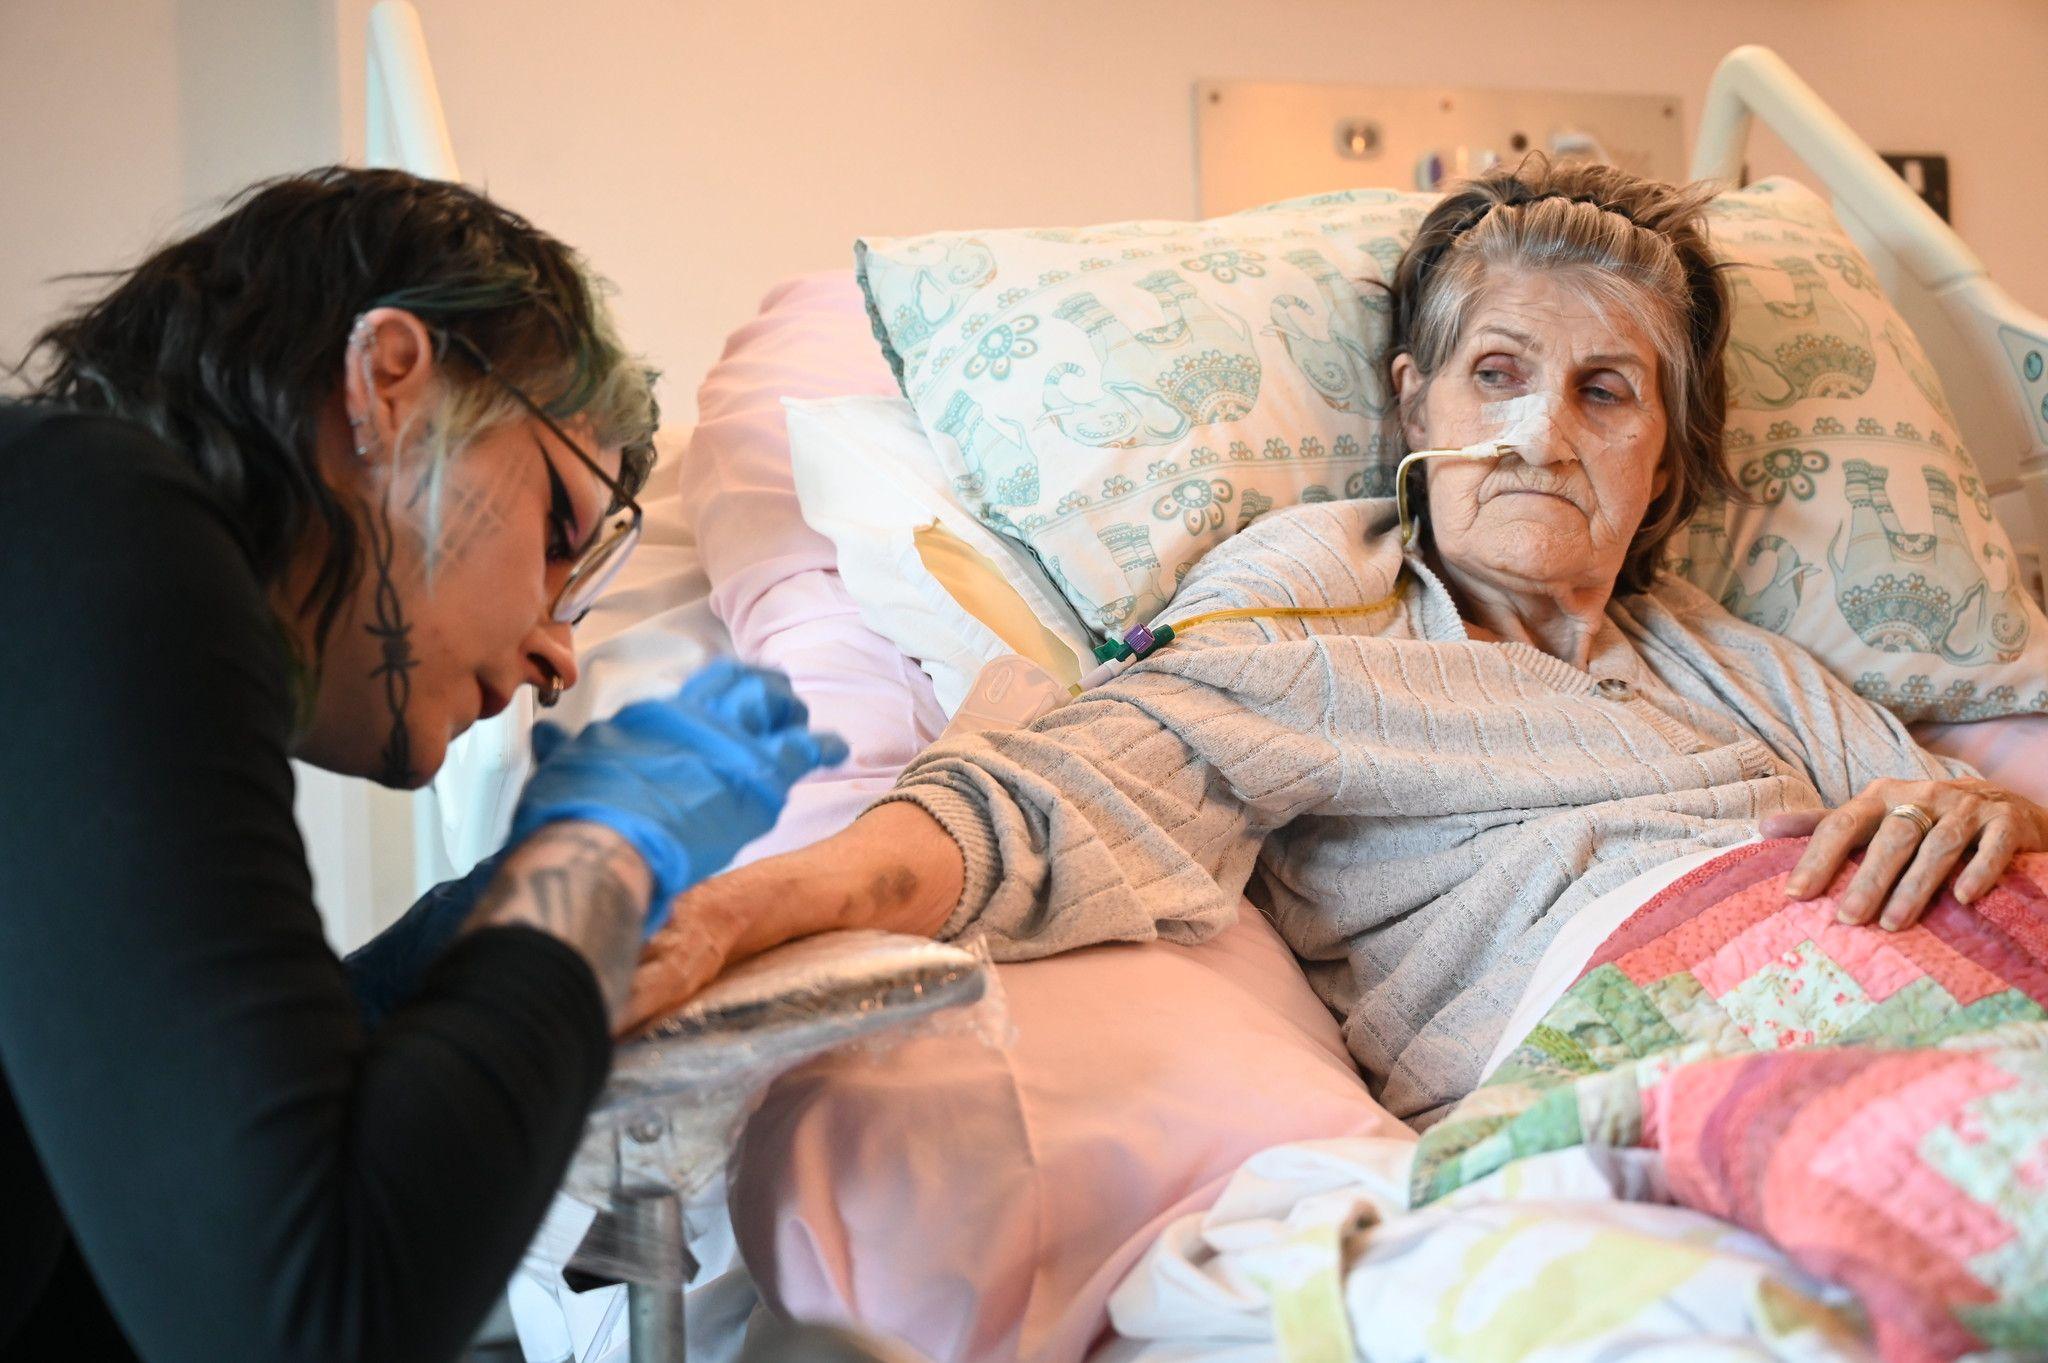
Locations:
column 1547, row 442
column 1536, row 427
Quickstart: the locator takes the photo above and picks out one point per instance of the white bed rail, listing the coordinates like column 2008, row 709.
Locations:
column 1991, row 351
column 407, row 130
column 457, row 820
column 373, row 850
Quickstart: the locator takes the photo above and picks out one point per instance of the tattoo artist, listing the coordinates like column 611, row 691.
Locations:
column 329, row 479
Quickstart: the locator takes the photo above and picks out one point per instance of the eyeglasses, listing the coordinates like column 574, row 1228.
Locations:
column 600, row 559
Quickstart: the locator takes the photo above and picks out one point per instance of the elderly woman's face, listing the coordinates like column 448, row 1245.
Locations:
column 1558, row 515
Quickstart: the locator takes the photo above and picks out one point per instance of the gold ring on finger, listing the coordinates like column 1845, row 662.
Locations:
column 1918, row 815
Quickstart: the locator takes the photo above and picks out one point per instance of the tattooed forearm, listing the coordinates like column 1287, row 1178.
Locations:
column 584, row 885
column 393, row 633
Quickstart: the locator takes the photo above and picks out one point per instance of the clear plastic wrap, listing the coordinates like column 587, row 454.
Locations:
column 677, row 1098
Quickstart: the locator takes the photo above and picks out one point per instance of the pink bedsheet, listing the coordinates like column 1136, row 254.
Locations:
column 983, row 1204
column 2012, row 752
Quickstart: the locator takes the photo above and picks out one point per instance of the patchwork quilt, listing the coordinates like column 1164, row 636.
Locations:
column 1874, row 1103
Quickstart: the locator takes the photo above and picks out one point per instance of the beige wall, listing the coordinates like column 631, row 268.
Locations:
column 701, row 149
column 125, row 119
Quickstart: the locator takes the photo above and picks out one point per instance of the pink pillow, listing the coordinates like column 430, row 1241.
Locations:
column 774, row 580
column 982, row 1204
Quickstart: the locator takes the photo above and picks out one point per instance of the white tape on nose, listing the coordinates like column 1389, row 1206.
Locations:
column 1529, row 423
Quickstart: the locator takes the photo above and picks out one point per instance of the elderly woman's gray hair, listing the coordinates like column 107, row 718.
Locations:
column 1634, row 248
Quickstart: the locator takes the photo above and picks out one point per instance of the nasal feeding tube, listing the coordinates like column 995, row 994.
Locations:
column 1521, row 423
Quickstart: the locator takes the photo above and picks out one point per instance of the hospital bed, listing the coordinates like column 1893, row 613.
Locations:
column 667, row 614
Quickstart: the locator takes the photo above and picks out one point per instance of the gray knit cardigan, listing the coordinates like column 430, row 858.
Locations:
column 1417, row 812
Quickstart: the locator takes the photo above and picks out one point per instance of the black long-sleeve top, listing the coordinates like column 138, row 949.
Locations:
column 204, row 1152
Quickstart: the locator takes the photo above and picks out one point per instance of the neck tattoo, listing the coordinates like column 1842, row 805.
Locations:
column 393, row 633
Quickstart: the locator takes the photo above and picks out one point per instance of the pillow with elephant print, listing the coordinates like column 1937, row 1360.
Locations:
column 1869, row 536
column 1121, row 398
column 1110, row 397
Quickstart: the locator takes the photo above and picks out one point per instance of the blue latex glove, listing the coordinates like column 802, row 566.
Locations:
column 688, row 781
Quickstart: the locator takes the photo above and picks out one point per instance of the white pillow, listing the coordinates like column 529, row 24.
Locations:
column 869, row 480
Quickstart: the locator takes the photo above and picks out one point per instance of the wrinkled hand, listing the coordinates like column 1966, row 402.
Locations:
column 894, row 869
column 688, row 780
column 1903, row 871
column 687, row 953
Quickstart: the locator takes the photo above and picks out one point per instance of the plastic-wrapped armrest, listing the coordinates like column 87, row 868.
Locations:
column 678, row 1097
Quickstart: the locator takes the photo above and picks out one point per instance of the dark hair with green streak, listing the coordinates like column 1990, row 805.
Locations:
column 228, row 343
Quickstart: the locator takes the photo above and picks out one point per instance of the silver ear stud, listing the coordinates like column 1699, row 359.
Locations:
column 359, row 339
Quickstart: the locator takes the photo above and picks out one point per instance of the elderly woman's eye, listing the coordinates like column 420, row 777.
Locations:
column 1606, row 397
column 1493, row 376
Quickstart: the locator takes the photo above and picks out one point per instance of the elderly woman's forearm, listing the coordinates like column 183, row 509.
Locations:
column 894, row 869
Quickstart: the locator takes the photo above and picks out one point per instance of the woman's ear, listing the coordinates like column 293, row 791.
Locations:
column 1408, row 393
column 388, row 378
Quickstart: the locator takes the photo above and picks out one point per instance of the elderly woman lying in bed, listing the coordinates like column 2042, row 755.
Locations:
column 1530, row 716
